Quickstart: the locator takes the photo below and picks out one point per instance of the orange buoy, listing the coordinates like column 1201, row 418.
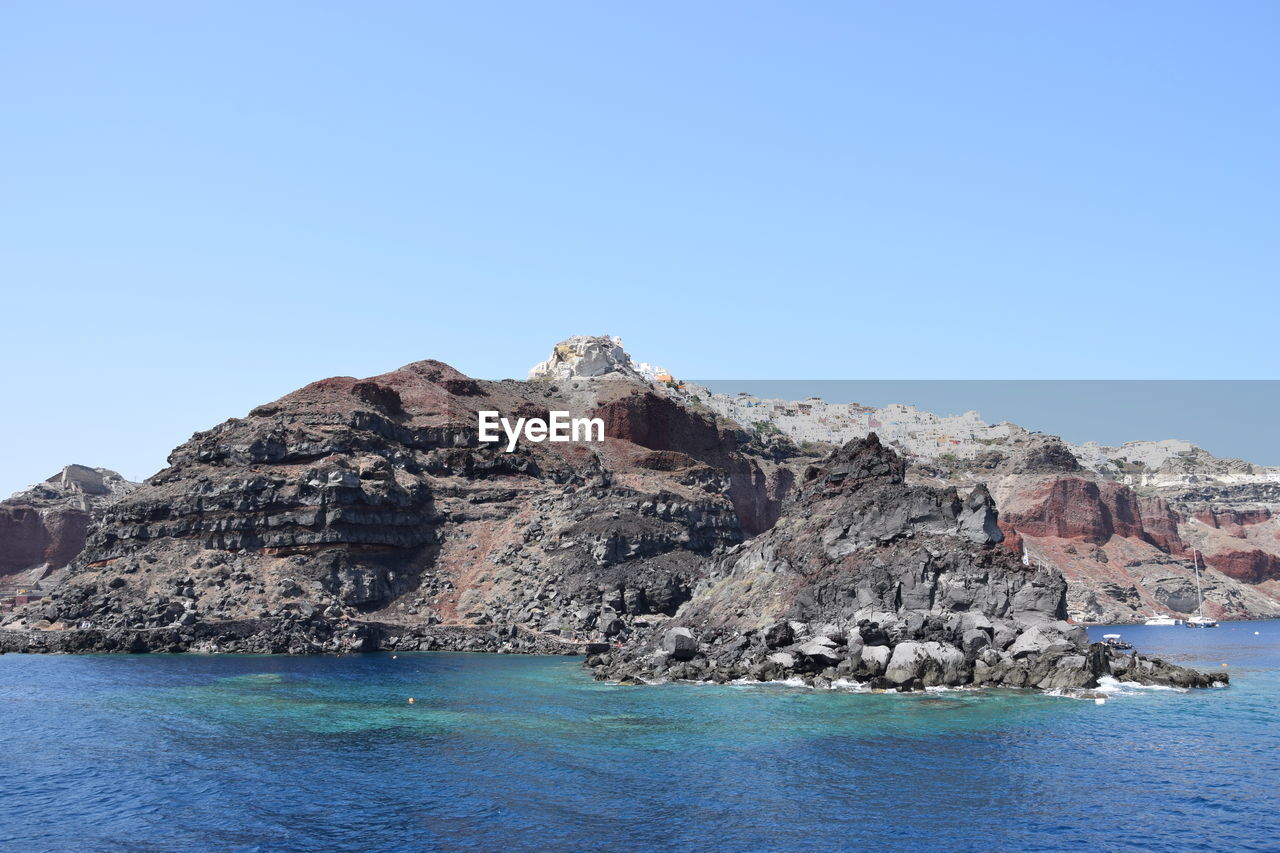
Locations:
column 411, row 698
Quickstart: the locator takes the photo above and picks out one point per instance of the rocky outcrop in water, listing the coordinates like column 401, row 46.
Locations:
column 868, row 579
column 358, row 514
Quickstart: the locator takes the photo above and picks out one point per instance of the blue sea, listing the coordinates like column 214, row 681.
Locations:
column 185, row 752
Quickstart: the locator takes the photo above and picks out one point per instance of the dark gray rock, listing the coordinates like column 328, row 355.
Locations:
column 679, row 643
column 779, row 634
column 973, row 642
column 821, row 654
column 921, row 574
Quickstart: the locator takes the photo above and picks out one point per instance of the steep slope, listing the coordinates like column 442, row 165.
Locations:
column 44, row 527
column 871, row 579
column 1127, row 556
column 1126, row 550
column 355, row 513
column 1118, row 522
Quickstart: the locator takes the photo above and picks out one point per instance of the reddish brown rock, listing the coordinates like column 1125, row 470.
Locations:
column 1160, row 525
column 1012, row 538
column 1232, row 520
column 660, row 423
column 1076, row 508
column 376, row 501
column 45, row 526
column 1250, row 566
column 23, row 536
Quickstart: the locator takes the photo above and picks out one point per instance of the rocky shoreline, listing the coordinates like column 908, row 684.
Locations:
column 869, row 656
column 289, row 637
column 869, row 579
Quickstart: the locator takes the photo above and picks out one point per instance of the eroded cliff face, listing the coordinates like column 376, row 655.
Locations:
column 1126, row 556
column 757, row 488
column 1087, row 511
column 869, row 579
column 367, row 511
column 44, row 527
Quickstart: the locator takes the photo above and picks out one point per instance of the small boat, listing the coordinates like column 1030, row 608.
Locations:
column 1162, row 619
column 1113, row 641
column 1199, row 620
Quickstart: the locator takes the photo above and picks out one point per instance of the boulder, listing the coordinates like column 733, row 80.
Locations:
column 1067, row 671
column 821, row 653
column 874, row 635
column 906, row 662
column 971, row 620
column 973, row 642
column 679, row 643
column 931, row 662
column 1038, row 640
column 876, row 658
column 977, row 520
column 778, row 635
column 610, row 623
column 832, row 633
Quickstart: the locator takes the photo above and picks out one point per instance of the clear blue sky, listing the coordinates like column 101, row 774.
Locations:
column 205, row 205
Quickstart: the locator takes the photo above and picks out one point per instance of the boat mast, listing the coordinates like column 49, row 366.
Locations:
column 1199, row 595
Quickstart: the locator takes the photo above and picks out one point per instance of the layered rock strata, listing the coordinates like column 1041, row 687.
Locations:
column 1127, row 555
column 373, row 502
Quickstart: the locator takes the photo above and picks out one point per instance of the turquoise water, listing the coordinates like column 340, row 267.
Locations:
column 159, row 752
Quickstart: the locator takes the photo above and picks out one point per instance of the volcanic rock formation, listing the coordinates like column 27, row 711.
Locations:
column 868, row 579
column 1121, row 523
column 43, row 528
column 1126, row 556
column 357, row 513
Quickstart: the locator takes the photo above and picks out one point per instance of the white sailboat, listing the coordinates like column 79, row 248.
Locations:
column 1199, row 620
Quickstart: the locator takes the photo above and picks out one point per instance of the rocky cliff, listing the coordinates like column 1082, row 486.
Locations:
column 867, row 578
column 370, row 513
column 357, row 512
column 586, row 357
column 44, row 527
column 1120, row 523
column 1127, row 554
